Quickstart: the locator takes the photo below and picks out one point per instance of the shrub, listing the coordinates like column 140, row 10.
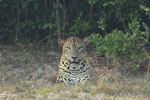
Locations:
column 128, row 46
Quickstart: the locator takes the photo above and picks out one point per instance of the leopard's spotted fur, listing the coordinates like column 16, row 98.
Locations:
column 75, row 66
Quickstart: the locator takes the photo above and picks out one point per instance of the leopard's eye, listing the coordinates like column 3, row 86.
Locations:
column 68, row 48
column 80, row 48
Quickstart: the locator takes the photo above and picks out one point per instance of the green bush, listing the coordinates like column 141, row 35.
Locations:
column 128, row 46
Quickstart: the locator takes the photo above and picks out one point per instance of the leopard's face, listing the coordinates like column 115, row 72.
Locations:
column 73, row 53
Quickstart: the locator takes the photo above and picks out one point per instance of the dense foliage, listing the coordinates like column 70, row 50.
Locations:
column 42, row 20
column 46, row 20
column 129, row 40
column 119, row 28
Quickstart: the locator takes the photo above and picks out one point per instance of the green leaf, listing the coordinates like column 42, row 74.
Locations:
column 109, row 3
column 48, row 25
column 147, row 9
column 142, row 6
column 135, row 66
column 92, row 2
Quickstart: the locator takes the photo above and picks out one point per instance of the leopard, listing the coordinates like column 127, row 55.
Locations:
column 75, row 65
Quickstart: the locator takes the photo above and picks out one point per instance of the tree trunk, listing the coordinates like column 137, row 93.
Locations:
column 58, row 19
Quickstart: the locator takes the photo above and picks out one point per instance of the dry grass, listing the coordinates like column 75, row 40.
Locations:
column 100, row 88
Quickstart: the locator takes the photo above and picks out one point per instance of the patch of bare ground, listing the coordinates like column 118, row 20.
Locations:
column 29, row 73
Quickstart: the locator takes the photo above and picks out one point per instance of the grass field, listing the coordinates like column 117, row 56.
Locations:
column 30, row 74
column 98, row 89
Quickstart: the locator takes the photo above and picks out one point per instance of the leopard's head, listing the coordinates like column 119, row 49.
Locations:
column 73, row 49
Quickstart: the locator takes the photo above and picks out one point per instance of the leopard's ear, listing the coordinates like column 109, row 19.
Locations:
column 61, row 42
column 86, row 39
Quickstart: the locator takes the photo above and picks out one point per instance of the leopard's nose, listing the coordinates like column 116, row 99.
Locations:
column 74, row 58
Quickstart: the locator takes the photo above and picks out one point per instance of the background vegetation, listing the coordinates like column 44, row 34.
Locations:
column 118, row 28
